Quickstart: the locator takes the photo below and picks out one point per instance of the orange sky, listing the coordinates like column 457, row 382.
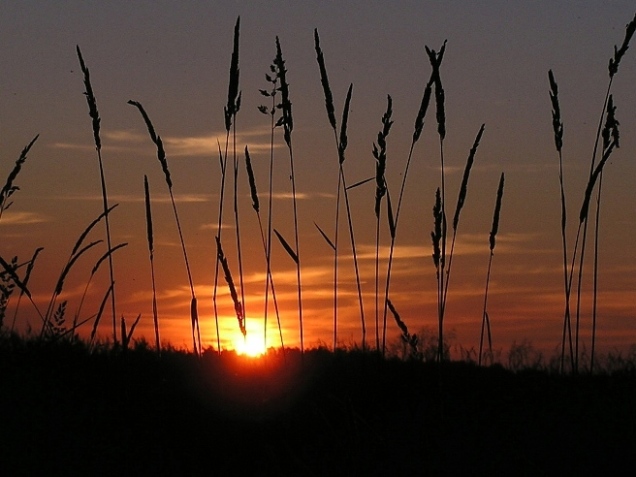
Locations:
column 174, row 59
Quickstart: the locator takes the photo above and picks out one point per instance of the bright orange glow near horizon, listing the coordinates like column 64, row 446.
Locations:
column 489, row 76
column 250, row 345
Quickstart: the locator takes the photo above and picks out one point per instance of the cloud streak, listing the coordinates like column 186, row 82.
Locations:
column 124, row 140
column 23, row 218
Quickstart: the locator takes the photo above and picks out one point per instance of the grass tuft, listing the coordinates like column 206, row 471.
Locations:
column 8, row 189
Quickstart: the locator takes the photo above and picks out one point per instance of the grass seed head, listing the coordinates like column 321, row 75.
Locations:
column 390, row 215
column 610, row 141
column 436, row 234
column 8, row 189
column 379, row 152
column 630, row 29
column 281, row 71
column 148, row 215
column 557, row 124
column 495, row 219
column 435, row 59
column 610, row 130
column 421, row 114
column 252, row 181
column 90, row 99
column 463, row 189
column 161, row 153
column 233, row 94
column 324, row 80
column 342, row 145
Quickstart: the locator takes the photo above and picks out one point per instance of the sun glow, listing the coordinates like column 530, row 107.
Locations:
column 252, row 345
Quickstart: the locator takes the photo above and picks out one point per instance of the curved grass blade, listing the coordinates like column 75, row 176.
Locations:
column 324, row 235
column 287, row 247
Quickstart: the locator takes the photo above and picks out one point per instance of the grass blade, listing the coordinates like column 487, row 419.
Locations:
column 359, row 183
column 324, row 235
column 287, row 247
column 238, row 307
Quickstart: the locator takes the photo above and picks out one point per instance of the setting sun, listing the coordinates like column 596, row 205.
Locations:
column 251, row 345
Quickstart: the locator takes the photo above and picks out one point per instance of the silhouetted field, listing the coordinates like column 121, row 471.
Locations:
column 66, row 411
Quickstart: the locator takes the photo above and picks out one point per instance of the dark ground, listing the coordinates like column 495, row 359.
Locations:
column 68, row 412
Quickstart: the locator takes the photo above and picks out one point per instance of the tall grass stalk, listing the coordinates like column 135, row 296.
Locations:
column 393, row 217
column 272, row 93
column 230, row 111
column 610, row 139
column 151, row 253
column 237, row 226
column 331, row 116
column 435, row 59
column 234, row 108
column 8, row 189
column 557, row 126
column 341, row 144
column 461, row 199
column 269, row 278
column 614, row 63
column 223, row 164
column 596, row 175
column 379, row 153
column 287, row 122
column 485, row 322
column 583, row 216
column 95, row 119
column 161, row 155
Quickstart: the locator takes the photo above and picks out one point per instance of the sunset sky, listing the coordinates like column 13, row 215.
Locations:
column 174, row 58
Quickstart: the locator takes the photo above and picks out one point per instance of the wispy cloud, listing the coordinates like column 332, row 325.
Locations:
column 256, row 139
column 289, row 196
column 187, row 146
column 113, row 141
column 468, row 244
column 179, row 197
column 22, row 218
column 215, row 226
column 75, row 147
column 367, row 252
column 156, row 198
column 124, row 135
